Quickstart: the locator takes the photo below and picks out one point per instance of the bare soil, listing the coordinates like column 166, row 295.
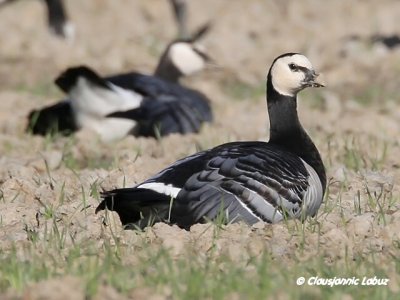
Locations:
column 355, row 121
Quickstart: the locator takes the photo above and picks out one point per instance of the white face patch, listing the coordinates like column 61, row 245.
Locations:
column 284, row 80
column 185, row 59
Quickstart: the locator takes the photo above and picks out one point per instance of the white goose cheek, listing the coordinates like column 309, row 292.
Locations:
column 287, row 83
column 300, row 80
column 186, row 59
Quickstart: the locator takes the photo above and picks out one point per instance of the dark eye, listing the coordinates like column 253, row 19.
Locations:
column 293, row 67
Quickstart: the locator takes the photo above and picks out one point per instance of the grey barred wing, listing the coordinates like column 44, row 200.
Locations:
column 248, row 181
column 245, row 181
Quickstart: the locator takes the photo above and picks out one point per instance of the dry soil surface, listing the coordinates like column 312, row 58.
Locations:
column 354, row 121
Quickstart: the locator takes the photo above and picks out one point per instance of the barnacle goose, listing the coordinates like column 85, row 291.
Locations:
column 57, row 18
column 132, row 103
column 58, row 21
column 179, row 8
column 245, row 181
column 181, row 58
column 389, row 41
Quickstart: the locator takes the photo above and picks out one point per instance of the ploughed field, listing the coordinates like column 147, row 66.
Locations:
column 53, row 245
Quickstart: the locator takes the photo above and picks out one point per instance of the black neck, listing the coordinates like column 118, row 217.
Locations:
column 167, row 70
column 56, row 12
column 287, row 132
column 284, row 121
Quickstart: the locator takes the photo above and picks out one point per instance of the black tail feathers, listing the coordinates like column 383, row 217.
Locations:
column 136, row 206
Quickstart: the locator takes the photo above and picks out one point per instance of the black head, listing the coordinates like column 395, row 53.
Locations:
column 183, row 57
column 69, row 78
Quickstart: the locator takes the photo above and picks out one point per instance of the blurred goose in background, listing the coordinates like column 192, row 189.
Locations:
column 179, row 8
column 132, row 103
column 389, row 41
column 381, row 42
column 184, row 57
column 59, row 24
column 58, row 21
column 181, row 58
column 57, row 18
column 239, row 181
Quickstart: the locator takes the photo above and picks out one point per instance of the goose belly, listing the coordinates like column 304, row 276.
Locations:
column 109, row 129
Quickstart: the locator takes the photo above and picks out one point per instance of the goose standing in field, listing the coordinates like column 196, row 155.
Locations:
column 181, row 58
column 245, row 181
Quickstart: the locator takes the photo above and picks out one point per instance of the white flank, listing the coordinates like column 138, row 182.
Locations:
column 110, row 129
column 90, row 99
column 92, row 103
column 162, row 188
